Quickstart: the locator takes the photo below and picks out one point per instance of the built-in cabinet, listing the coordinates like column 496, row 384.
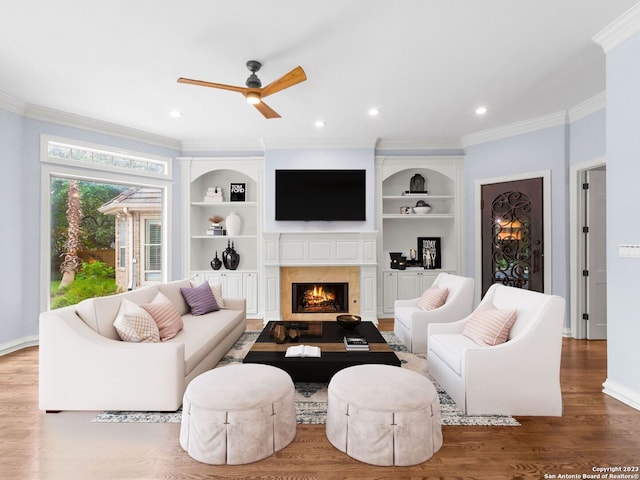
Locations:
column 400, row 229
column 199, row 175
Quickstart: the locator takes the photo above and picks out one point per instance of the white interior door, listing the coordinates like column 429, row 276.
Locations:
column 596, row 258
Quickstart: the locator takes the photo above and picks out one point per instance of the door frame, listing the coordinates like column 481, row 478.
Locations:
column 576, row 247
column 546, row 212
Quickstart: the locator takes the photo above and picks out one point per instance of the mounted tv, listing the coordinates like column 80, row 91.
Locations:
column 326, row 195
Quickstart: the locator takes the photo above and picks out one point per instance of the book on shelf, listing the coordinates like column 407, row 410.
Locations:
column 302, row 351
column 355, row 343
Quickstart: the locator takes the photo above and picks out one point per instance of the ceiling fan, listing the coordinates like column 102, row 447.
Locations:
column 254, row 92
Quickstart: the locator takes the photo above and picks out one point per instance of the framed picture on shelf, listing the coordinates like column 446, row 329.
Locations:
column 237, row 192
column 430, row 251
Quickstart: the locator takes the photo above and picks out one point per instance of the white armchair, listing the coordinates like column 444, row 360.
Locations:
column 410, row 322
column 518, row 377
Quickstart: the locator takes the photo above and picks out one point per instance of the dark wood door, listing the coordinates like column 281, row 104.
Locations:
column 512, row 234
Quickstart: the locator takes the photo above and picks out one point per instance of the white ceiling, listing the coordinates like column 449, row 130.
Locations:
column 427, row 64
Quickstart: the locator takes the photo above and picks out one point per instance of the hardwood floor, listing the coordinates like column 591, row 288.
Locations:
column 595, row 431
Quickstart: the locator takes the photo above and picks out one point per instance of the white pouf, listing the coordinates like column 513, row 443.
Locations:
column 238, row 414
column 383, row 415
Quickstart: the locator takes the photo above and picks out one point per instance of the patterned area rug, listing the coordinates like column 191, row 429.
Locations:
column 311, row 398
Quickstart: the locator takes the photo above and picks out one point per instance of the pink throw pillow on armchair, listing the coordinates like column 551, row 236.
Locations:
column 488, row 325
column 432, row 297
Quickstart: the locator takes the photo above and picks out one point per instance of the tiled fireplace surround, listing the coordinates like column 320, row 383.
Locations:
column 320, row 257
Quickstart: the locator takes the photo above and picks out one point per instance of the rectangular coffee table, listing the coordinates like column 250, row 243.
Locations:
column 334, row 356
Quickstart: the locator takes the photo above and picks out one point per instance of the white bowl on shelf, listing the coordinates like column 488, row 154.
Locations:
column 421, row 210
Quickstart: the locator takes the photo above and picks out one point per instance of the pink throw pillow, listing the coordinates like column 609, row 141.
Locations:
column 488, row 325
column 166, row 316
column 432, row 297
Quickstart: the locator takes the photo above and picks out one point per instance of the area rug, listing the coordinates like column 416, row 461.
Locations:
column 311, row 398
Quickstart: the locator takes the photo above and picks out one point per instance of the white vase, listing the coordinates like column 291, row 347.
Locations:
column 233, row 222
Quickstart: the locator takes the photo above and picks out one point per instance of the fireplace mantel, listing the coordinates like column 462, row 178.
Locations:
column 313, row 249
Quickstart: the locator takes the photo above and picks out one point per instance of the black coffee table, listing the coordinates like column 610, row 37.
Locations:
column 334, row 356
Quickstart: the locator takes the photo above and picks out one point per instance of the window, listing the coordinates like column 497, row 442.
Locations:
column 152, row 251
column 114, row 239
column 122, row 243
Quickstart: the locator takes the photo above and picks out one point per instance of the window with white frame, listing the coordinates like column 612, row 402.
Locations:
column 106, row 178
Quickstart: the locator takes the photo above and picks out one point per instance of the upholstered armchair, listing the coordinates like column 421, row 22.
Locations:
column 411, row 321
column 518, row 377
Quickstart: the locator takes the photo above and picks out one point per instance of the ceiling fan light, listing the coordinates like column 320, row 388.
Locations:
column 253, row 98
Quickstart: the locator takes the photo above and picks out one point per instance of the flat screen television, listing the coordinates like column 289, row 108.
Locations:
column 326, row 195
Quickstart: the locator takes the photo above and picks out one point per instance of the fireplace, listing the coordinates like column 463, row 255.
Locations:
column 321, row 297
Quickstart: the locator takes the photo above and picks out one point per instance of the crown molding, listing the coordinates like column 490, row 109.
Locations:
column 51, row 115
column 586, row 108
column 517, row 128
column 224, row 145
column 625, row 26
column 12, row 104
column 312, row 143
column 420, row 145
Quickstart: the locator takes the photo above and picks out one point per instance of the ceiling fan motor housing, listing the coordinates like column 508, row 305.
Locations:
column 253, row 81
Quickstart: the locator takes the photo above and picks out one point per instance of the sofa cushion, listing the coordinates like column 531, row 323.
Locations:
column 450, row 348
column 135, row 324
column 99, row 313
column 201, row 334
column 172, row 291
column 200, row 299
column 432, row 297
column 165, row 315
column 488, row 325
column 216, row 289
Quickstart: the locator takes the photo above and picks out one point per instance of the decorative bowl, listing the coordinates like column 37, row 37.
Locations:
column 421, row 210
column 348, row 321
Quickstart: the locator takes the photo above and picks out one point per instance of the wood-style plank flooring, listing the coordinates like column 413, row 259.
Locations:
column 595, row 431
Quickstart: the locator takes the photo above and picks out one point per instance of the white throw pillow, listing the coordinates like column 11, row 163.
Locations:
column 134, row 324
column 433, row 297
column 488, row 325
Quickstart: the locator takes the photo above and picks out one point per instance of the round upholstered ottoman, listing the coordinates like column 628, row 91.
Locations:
column 383, row 415
column 238, row 414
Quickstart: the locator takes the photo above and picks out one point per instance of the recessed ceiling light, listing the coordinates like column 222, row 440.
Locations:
column 320, row 123
column 374, row 111
column 481, row 110
column 175, row 113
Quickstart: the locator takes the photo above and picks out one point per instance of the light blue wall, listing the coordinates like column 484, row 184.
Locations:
column 623, row 172
column 532, row 152
column 587, row 138
column 20, row 186
column 322, row 159
column 13, row 233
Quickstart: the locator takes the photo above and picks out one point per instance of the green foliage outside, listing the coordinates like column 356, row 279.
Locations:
column 95, row 279
column 97, row 229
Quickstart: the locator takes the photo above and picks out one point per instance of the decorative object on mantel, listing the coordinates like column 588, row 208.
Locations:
column 421, row 207
column 216, row 263
column 430, row 249
column 230, row 258
column 213, row 195
column 417, row 184
column 238, row 192
column 215, row 229
column 233, row 223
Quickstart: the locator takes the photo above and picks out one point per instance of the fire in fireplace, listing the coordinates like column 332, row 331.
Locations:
column 319, row 297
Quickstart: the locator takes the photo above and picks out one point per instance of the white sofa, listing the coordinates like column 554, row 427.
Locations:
column 410, row 322
column 518, row 377
column 85, row 366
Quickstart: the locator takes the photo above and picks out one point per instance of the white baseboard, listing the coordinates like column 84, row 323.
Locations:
column 18, row 343
column 622, row 393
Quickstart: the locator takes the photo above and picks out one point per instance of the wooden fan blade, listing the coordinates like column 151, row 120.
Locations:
column 295, row 76
column 266, row 110
column 222, row 86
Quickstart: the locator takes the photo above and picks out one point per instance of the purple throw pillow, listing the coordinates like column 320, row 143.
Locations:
column 200, row 299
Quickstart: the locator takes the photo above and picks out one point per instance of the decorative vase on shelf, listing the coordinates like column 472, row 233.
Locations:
column 233, row 258
column 216, row 263
column 233, row 223
column 225, row 255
